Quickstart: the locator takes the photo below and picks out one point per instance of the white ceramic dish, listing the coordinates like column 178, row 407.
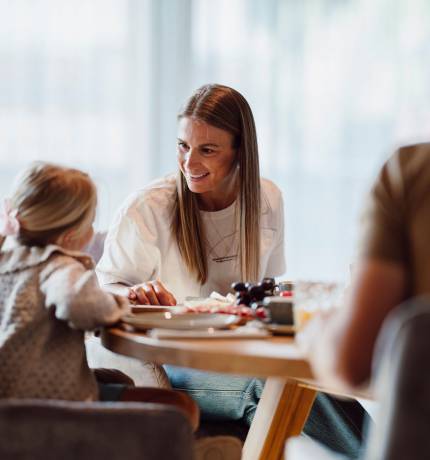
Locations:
column 157, row 308
column 188, row 321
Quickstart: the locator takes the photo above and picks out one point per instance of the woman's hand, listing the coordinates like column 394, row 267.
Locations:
column 151, row 293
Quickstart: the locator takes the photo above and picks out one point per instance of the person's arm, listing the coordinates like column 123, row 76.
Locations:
column 118, row 289
column 131, row 258
column 149, row 293
column 72, row 291
column 342, row 351
column 343, row 346
column 276, row 264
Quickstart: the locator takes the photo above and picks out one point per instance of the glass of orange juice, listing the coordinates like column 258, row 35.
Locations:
column 312, row 297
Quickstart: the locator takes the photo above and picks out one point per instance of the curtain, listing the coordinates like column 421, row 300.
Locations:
column 334, row 86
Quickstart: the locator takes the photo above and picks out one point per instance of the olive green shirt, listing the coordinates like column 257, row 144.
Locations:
column 396, row 220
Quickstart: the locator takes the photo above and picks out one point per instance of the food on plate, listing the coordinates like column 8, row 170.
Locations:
column 216, row 303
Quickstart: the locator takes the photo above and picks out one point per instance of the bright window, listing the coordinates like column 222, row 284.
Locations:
column 334, row 86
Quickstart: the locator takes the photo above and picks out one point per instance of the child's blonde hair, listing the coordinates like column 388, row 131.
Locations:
column 50, row 199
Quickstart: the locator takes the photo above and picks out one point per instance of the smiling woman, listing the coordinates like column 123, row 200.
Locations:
column 207, row 159
column 215, row 222
column 218, row 125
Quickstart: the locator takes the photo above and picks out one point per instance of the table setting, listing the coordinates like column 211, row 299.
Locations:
column 289, row 391
column 254, row 311
column 196, row 318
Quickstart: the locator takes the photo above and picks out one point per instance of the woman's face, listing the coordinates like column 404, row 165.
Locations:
column 207, row 159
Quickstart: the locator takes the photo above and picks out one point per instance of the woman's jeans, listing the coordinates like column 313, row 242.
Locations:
column 335, row 423
column 219, row 396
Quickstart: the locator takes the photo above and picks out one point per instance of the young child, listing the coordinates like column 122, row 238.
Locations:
column 49, row 294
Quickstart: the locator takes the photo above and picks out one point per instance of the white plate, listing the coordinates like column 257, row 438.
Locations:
column 188, row 321
column 157, row 308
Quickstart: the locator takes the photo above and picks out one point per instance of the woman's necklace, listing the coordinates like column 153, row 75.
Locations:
column 221, row 248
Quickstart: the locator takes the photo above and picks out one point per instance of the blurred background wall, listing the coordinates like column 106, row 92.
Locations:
column 335, row 86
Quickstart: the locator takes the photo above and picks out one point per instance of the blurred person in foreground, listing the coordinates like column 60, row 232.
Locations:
column 393, row 266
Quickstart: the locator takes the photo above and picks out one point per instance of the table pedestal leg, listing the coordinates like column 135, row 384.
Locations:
column 281, row 413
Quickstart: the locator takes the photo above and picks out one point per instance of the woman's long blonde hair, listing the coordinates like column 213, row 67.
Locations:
column 223, row 108
column 49, row 200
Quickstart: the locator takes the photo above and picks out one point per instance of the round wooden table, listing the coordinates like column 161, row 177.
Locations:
column 270, row 357
column 287, row 396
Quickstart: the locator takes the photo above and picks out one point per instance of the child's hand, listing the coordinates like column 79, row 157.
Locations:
column 151, row 293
